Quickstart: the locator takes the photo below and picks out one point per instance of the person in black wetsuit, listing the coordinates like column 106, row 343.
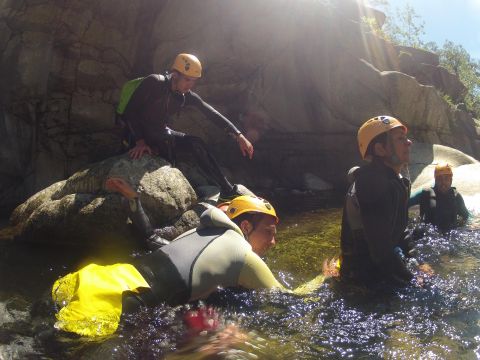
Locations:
column 375, row 213
column 441, row 205
column 152, row 108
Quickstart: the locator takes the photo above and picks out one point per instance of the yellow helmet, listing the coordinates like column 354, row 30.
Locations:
column 374, row 127
column 250, row 204
column 443, row 169
column 188, row 64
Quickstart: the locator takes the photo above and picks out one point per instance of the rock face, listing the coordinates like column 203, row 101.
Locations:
column 424, row 67
column 297, row 77
column 79, row 210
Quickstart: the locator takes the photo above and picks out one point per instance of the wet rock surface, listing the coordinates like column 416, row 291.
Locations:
column 80, row 211
column 299, row 90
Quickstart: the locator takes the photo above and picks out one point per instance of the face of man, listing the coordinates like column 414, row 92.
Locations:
column 182, row 83
column 396, row 152
column 443, row 182
column 399, row 146
column 262, row 237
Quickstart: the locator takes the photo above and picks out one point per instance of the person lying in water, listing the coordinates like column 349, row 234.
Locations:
column 441, row 205
column 223, row 251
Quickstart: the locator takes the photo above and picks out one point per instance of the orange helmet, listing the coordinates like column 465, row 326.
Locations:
column 188, row 64
column 374, row 127
column 250, row 204
column 443, row 169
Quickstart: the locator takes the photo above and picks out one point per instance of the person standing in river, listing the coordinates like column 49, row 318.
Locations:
column 154, row 104
column 441, row 205
column 375, row 214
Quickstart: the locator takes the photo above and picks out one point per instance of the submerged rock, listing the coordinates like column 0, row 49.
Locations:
column 80, row 211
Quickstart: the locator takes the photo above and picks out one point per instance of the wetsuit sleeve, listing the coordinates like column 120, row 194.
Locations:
column 134, row 112
column 212, row 114
column 255, row 274
column 461, row 208
column 378, row 214
column 415, row 198
column 152, row 238
column 310, row 286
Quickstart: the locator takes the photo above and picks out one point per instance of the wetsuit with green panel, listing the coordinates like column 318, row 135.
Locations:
column 153, row 108
column 373, row 226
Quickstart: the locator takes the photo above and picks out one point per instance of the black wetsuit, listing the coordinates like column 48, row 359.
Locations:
column 442, row 209
column 152, row 110
column 153, row 238
column 373, row 226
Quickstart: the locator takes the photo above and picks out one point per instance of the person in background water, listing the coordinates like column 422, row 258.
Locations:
column 375, row 215
column 154, row 105
column 223, row 251
column 441, row 205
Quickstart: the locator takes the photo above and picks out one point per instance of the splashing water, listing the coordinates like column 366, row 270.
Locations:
column 438, row 321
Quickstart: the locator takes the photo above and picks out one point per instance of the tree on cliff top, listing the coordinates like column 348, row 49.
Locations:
column 458, row 61
column 406, row 27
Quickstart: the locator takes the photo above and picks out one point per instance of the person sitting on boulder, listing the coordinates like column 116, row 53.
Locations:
column 224, row 250
column 157, row 101
column 441, row 205
column 375, row 213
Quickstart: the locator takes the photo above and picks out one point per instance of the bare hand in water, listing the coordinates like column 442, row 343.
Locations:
column 330, row 268
column 426, row 269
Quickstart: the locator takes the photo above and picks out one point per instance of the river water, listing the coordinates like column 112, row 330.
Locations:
column 437, row 321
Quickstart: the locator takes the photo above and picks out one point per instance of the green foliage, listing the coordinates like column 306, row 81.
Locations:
column 447, row 99
column 458, row 61
column 405, row 27
column 371, row 25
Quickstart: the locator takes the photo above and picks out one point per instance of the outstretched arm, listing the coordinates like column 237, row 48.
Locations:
column 415, row 198
column 221, row 121
column 255, row 274
column 153, row 240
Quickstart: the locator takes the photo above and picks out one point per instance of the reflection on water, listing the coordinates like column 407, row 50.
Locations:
column 438, row 321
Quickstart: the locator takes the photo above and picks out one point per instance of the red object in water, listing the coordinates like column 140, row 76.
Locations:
column 203, row 319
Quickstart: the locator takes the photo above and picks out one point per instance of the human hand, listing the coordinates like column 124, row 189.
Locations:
column 330, row 268
column 245, row 146
column 426, row 269
column 425, row 273
column 140, row 148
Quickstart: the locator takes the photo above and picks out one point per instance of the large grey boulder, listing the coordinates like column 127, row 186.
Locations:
column 80, row 211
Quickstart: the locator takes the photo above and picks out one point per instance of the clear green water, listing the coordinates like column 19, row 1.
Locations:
column 439, row 321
